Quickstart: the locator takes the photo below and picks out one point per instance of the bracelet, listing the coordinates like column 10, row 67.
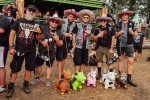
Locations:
column 12, row 47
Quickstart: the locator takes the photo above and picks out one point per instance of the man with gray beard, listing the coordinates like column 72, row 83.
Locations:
column 26, row 31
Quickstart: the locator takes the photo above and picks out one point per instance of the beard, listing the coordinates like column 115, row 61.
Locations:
column 29, row 17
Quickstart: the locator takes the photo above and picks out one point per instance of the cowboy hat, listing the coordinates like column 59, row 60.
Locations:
column 103, row 15
column 125, row 11
column 55, row 17
column 70, row 11
column 86, row 12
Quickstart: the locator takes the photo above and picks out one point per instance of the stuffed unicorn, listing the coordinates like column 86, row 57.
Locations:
column 91, row 78
column 108, row 79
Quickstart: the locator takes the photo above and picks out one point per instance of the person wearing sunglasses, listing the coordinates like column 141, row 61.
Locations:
column 81, row 33
column 126, row 31
column 104, row 36
column 22, row 46
column 52, row 39
column 66, row 29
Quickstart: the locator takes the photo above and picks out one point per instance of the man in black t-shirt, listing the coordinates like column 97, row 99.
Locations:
column 139, row 43
column 125, row 42
column 53, row 39
column 25, row 31
column 4, row 36
column 105, row 37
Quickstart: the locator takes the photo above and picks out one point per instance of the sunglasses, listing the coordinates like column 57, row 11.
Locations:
column 53, row 21
column 31, row 10
column 103, row 21
column 86, row 17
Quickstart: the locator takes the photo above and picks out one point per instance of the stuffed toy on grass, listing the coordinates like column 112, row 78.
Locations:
column 91, row 77
column 108, row 79
column 77, row 80
column 63, row 84
column 121, row 80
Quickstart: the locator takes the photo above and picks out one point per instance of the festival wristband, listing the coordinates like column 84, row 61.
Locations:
column 12, row 47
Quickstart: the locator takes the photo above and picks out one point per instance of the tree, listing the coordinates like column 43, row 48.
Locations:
column 138, row 6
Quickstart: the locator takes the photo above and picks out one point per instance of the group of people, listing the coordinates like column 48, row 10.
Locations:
column 57, row 37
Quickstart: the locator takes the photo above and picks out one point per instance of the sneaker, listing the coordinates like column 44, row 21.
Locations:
column 10, row 91
column 48, row 82
column 26, row 89
column 35, row 81
column 4, row 88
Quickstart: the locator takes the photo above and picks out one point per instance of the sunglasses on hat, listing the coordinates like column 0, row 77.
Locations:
column 31, row 10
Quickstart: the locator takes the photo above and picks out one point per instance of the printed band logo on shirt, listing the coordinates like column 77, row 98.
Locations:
column 26, row 32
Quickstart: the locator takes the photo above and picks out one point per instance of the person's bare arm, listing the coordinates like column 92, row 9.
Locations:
column 144, row 41
column 2, row 31
column 58, row 42
column 12, row 35
column 73, row 40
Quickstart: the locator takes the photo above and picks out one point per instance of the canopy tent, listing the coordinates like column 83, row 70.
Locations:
column 61, row 5
column 5, row 2
column 85, row 3
column 58, row 5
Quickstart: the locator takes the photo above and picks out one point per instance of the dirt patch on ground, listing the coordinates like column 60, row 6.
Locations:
column 141, row 76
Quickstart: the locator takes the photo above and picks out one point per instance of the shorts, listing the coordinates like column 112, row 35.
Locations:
column 61, row 53
column 80, row 56
column 138, row 47
column 51, row 58
column 127, row 51
column 3, row 56
column 30, row 61
column 100, row 52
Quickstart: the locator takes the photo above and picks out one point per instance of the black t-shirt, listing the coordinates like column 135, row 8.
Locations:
column 48, row 37
column 25, row 35
column 75, row 30
column 130, row 39
column 139, row 38
column 10, row 19
column 4, row 37
column 13, row 12
column 108, row 32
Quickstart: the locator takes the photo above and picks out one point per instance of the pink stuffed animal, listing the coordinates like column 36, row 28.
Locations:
column 91, row 78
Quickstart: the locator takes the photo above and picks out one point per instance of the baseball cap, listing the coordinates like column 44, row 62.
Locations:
column 31, row 6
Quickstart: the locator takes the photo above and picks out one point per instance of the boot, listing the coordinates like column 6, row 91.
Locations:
column 10, row 90
column 130, row 82
column 26, row 87
column 119, row 72
column 111, row 70
column 62, row 76
column 99, row 73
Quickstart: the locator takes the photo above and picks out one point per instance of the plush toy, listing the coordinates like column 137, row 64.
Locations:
column 91, row 78
column 121, row 80
column 63, row 84
column 108, row 79
column 77, row 80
